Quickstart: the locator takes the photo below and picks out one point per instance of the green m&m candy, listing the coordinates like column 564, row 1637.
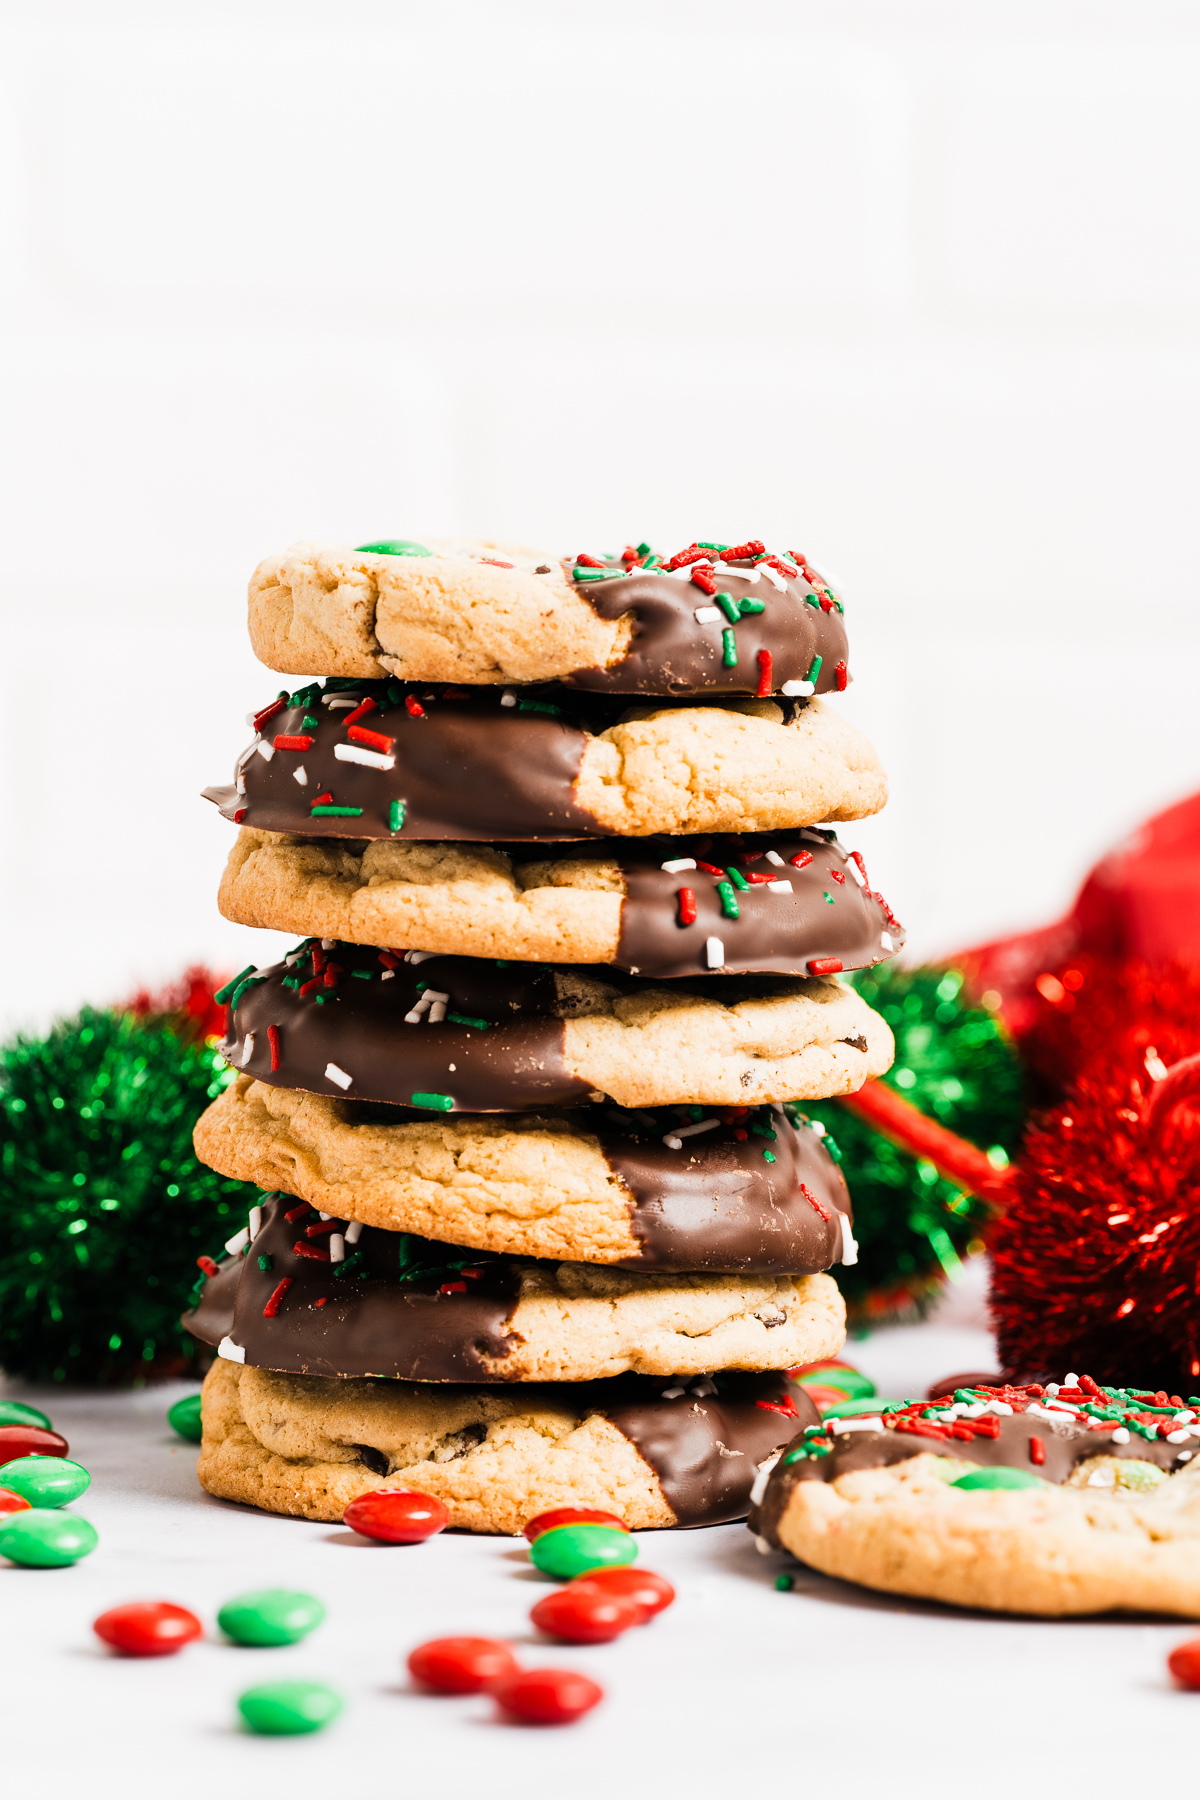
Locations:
column 184, row 1417
column 999, row 1478
column 283, row 1708
column 270, row 1616
column 15, row 1412
column 45, row 1480
column 570, row 1550
column 394, row 547
column 46, row 1540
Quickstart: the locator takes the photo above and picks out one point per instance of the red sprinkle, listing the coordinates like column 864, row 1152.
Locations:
column 389, row 959
column 323, row 1301
column 207, row 1264
column 297, row 1212
column 453, row 1287
column 630, row 555
column 318, row 956
column 692, row 554
column 308, row 986
column 802, row 860
column 322, row 800
column 589, row 562
column 805, row 567
column 856, row 858
column 239, row 815
column 836, row 875
column 312, row 1251
column 827, row 603
column 268, row 712
column 739, row 552
column 285, row 742
column 414, row 707
column 765, row 675
column 711, row 869
column 273, row 1040
column 741, row 1135
column 272, row 1306
column 360, row 711
column 322, row 1228
column 760, row 879
column 687, row 906
column 816, row 1204
column 789, row 1409
column 843, row 675
column 1037, row 1450
column 825, row 965
column 704, row 578
column 376, row 739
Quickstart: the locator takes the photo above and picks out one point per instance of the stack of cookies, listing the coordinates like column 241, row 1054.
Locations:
column 543, row 1221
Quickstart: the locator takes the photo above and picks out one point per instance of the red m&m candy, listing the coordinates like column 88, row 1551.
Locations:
column 586, row 1616
column 1184, row 1663
column 148, row 1628
column 29, row 1440
column 10, row 1502
column 396, row 1515
column 547, row 1696
column 653, row 1593
column 461, row 1665
column 571, row 1515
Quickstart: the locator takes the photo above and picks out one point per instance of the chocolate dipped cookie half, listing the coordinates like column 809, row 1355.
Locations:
column 384, row 1303
column 383, row 759
column 654, row 1452
column 743, row 1192
column 712, row 619
column 777, row 902
column 1052, row 1500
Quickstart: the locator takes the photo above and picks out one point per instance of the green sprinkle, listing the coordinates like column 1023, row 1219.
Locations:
column 784, row 1584
column 730, row 657
column 501, row 963
column 702, row 546
column 729, row 607
column 815, row 669
column 266, row 1264
column 829, row 898
column 222, row 994
column 762, row 1130
column 239, row 990
column 831, row 1145
column 811, row 600
column 434, row 1102
column 768, row 1156
column 643, row 549
column 335, row 812
column 542, row 706
column 308, row 723
column 393, row 547
column 464, row 1019
column 291, row 981
column 361, row 974
column 751, row 606
column 729, row 905
column 349, row 1262
column 738, row 879
column 695, row 1113
column 999, row 1478
column 421, row 986
column 582, row 574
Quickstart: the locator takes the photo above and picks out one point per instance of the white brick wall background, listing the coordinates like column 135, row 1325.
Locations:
column 914, row 288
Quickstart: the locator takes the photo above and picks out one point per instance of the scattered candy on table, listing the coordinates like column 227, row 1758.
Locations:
column 1184, row 1663
column 547, row 1696
column 45, row 1540
column 461, row 1665
column 184, row 1417
column 46, row 1481
column 652, row 1592
column 396, row 1516
column 571, row 1515
column 568, row 1550
column 15, row 1412
column 148, row 1628
column 286, row 1708
column 29, row 1440
column 587, row 1615
column 270, row 1616
column 11, row 1503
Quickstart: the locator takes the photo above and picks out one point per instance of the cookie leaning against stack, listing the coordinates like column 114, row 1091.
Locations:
column 544, row 1223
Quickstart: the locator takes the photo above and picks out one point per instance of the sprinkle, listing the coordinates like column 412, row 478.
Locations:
column 687, row 906
column 247, row 1048
column 714, row 953
column 885, row 942
column 711, row 869
column 207, row 1264
column 793, row 688
column 858, row 869
column 434, row 1102
column 825, row 965
column 779, row 887
column 678, row 865
column 335, row 701
column 457, row 1018
column 333, row 1073
column 336, row 812
column 765, row 676
column 222, row 994
column 673, row 1143
column 230, row 1351
column 1037, row 1450
column 259, row 719
column 354, row 1231
column 273, row 1040
column 321, row 800
column 707, row 615
column 337, row 1248
column 814, row 1202
column 265, row 750
column 396, row 815
column 815, row 669
column 300, row 775
column 265, row 1263
column 272, row 1306
column 729, row 904
column 238, row 1241
column 686, row 1131
column 849, row 1243
column 777, row 580
column 703, row 577
column 838, row 876
column 286, row 742
column 773, row 856
column 508, row 698
column 741, row 552
column 376, row 740
column 738, row 879
column 370, row 759
column 1120, row 1435
column 842, row 676
column 729, row 657
column 297, row 1212
column 311, row 1252
column 325, row 1224
column 747, row 605
column 729, row 607
column 255, row 1226
column 589, row 562
column 360, row 712
column 414, row 707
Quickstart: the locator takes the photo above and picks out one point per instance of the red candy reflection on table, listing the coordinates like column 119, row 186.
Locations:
column 29, row 1440
column 148, row 1628
column 587, row 1615
column 571, row 1515
column 547, row 1696
column 396, row 1516
column 12, row 1503
column 461, row 1665
column 653, row 1593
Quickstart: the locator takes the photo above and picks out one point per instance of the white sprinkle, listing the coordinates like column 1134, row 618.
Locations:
column 240, row 783
column 885, row 941
column 853, row 868
column 773, row 856
column 420, row 956
column 703, row 1388
column 422, row 1006
column 328, row 943
column 682, row 1131
column 816, row 1125
column 762, row 1546
column 763, row 1476
column 1052, row 1387
column 370, row 759
column 707, row 615
column 335, row 700
column 324, row 1217
column 337, row 1247
column 333, row 1073
column 247, row 753
column 354, row 1231
column 671, row 1393
column 1178, row 1437
column 238, row 1241
column 1001, row 1408
column 849, row 1247
column 255, row 1222
column 249, row 718
column 1120, row 1435
column 714, row 953
column 672, row 1142
column 437, row 1012
column 838, row 1426
column 772, row 575
column 265, row 750
column 433, row 995
column 248, row 1048
column 679, row 864
column 724, row 568
column 508, row 698
column 779, row 887
column 1184, row 1418
column 388, row 975
column 798, row 687
column 230, row 1351
column 300, row 775
column 1070, row 1381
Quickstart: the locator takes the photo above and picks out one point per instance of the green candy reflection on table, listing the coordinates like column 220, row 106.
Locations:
column 999, row 1478
column 45, row 1480
column 15, row 1412
column 184, row 1417
column 569, row 1550
column 46, row 1540
column 283, row 1708
column 393, row 547
column 850, row 1409
column 270, row 1616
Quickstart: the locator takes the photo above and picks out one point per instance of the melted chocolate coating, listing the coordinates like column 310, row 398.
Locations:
column 672, row 653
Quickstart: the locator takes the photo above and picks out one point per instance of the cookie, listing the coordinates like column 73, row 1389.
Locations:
column 754, row 1195
column 399, row 1306
column 702, row 622
column 496, row 1457
column 1051, row 1501
column 626, row 905
column 490, row 1036
column 379, row 759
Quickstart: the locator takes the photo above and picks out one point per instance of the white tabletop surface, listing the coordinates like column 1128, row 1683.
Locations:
column 737, row 1686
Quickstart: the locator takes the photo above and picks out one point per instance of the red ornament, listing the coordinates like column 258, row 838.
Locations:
column 29, row 1440
column 547, row 1696
column 1184, row 1663
column 461, row 1665
column 148, row 1628
column 571, row 1515
column 396, row 1516
column 587, row 1615
column 11, row 1503
column 652, row 1592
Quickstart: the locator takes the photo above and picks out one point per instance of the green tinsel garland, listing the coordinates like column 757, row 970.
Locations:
column 957, row 1064
column 105, row 1208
